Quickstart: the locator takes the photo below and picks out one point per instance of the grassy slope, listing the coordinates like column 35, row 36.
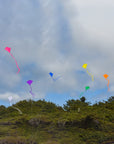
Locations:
column 45, row 123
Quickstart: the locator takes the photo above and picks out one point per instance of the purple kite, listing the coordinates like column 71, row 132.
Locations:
column 30, row 82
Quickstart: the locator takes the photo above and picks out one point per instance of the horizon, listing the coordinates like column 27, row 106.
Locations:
column 64, row 102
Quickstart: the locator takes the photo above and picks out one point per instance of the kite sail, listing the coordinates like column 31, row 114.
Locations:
column 85, row 67
column 106, row 76
column 9, row 49
column 51, row 74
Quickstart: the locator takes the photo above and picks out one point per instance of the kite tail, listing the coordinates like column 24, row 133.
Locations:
column 31, row 91
column 90, row 75
column 108, row 84
column 53, row 79
column 18, row 110
column 10, row 103
column 15, row 62
column 81, row 94
column 56, row 78
column 92, row 78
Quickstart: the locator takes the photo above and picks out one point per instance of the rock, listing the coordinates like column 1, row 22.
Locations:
column 34, row 122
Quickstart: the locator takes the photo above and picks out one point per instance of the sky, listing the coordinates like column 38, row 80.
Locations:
column 56, row 36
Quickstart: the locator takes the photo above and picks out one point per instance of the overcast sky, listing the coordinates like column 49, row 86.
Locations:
column 56, row 36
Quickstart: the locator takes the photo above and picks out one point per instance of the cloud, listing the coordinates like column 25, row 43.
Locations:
column 93, row 49
column 6, row 95
column 56, row 36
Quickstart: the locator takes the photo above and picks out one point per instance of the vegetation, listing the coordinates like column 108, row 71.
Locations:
column 41, row 122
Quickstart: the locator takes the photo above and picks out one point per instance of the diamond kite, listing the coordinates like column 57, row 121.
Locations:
column 85, row 67
column 106, row 76
column 8, row 50
column 54, row 79
column 30, row 82
column 86, row 88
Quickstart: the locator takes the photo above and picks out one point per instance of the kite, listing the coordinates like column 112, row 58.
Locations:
column 106, row 76
column 30, row 82
column 51, row 74
column 17, row 109
column 86, row 88
column 9, row 49
column 85, row 67
column 10, row 99
column 54, row 79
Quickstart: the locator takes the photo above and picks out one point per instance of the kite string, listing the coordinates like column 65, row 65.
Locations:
column 16, row 62
column 90, row 75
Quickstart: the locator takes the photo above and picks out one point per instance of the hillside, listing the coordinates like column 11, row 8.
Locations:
column 43, row 122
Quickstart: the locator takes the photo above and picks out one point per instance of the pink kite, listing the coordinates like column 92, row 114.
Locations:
column 9, row 49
